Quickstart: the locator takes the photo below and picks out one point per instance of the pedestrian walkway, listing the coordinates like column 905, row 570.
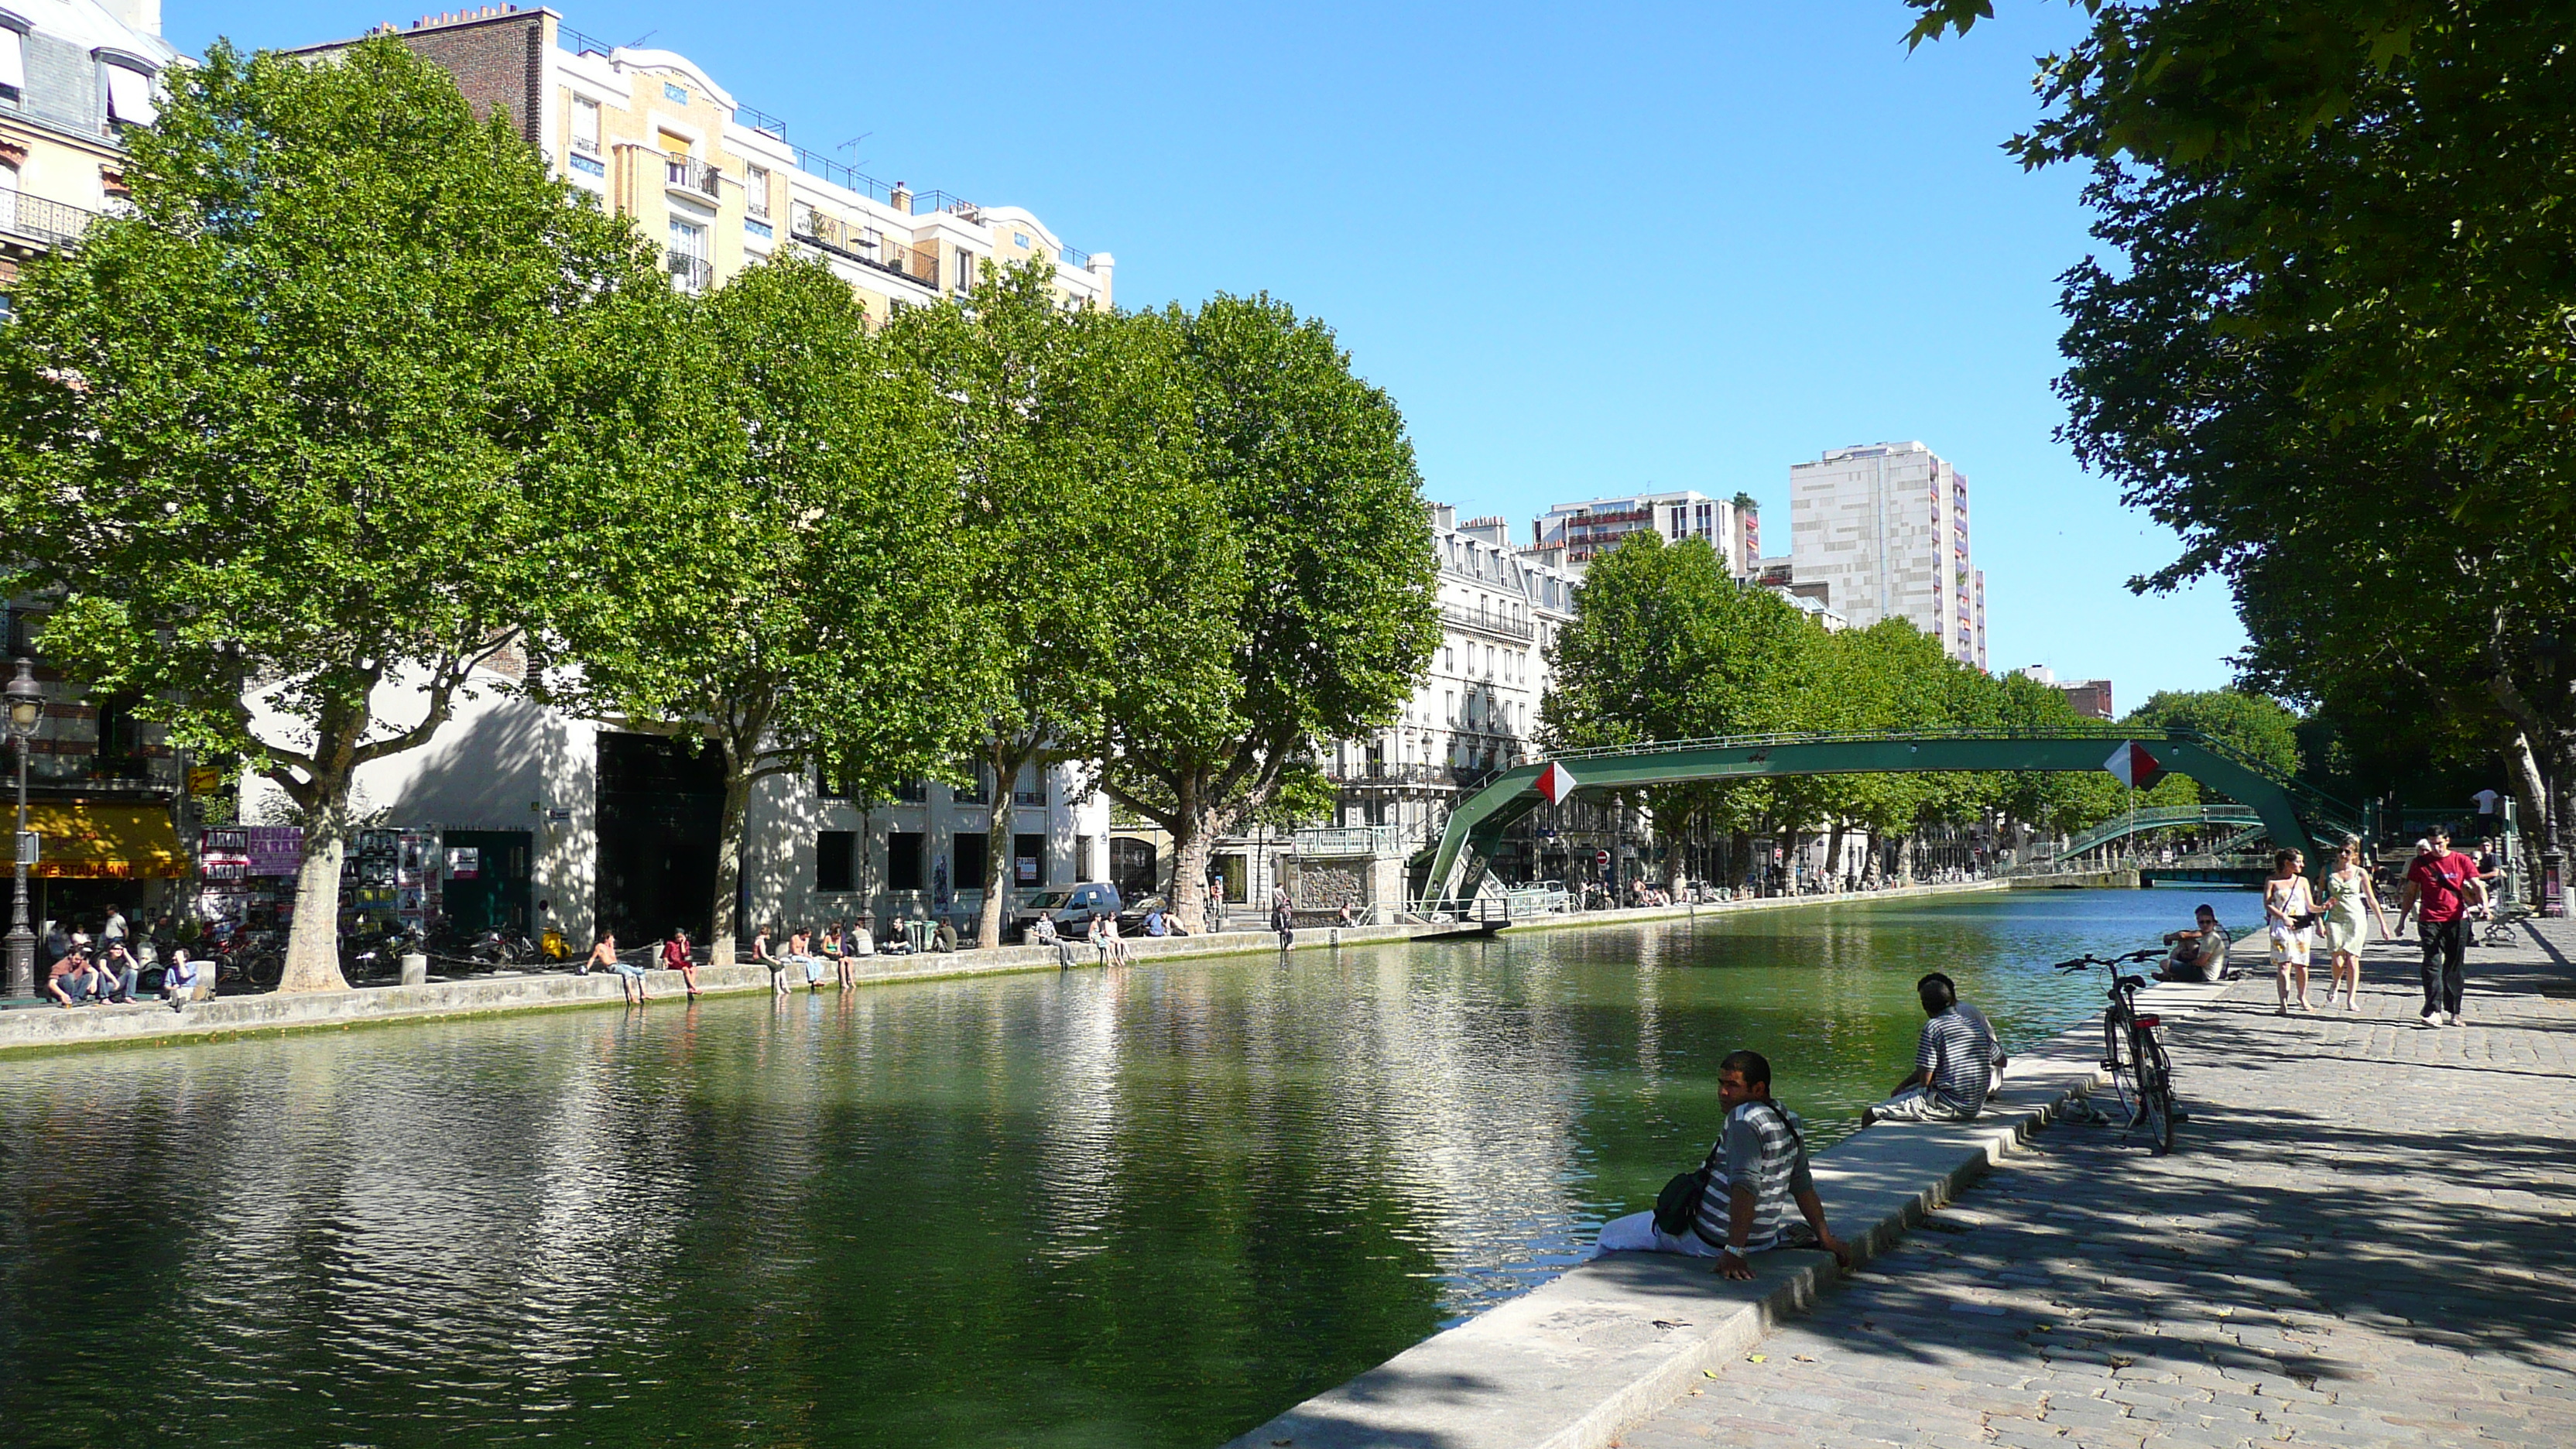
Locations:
column 2366, row 1236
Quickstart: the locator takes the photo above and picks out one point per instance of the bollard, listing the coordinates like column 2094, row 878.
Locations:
column 415, row 969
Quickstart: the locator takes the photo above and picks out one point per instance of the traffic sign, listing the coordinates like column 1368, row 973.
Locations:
column 1601, row 858
column 1556, row 782
column 2132, row 766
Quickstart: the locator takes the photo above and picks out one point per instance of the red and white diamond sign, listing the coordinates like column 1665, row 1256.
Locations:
column 2132, row 766
column 1556, row 782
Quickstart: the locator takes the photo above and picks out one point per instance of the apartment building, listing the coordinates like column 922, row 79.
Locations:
column 73, row 75
column 2090, row 698
column 1881, row 532
column 716, row 182
column 1595, row 526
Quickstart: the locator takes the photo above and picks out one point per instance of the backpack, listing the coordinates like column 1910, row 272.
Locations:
column 1677, row 1206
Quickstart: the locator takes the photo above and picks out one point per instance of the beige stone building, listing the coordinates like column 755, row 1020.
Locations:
column 718, row 184
column 73, row 75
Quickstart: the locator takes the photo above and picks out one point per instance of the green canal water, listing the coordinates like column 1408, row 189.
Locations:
column 1116, row 1209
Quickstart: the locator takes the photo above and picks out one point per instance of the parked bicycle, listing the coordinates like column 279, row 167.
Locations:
column 2141, row 1074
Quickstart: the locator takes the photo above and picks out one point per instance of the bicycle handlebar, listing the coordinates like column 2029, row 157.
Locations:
column 2088, row 960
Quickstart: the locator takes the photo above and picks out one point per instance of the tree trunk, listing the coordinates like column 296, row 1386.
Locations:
column 1834, row 852
column 313, row 939
column 1006, row 764
column 729, row 831
column 1194, row 830
column 2528, row 782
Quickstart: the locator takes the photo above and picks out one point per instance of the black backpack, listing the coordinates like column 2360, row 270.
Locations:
column 1677, row 1206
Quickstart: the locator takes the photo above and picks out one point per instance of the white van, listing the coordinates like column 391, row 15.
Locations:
column 1072, row 908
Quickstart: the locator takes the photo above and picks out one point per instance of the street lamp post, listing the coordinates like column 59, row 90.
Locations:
column 26, row 711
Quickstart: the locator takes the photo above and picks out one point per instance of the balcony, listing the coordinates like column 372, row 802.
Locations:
column 868, row 249
column 691, row 177
column 690, row 274
column 1348, row 840
column 1500, row 626
column 43, row 223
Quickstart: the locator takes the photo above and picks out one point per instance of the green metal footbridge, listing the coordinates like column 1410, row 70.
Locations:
column 2291, row 813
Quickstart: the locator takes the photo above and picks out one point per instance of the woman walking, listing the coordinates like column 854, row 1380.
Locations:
column 676, row 957
column 2290, row 912
column 2350, row 905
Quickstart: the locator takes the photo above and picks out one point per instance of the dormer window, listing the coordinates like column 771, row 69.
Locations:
column 129, row 90
column 13, row 58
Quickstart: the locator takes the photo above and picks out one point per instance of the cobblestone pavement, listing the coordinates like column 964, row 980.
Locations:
column 2363, row 1238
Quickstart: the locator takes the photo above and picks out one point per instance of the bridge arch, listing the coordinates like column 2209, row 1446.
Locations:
column 2293, row 814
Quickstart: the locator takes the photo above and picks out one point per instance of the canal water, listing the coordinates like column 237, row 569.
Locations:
column 1123, row 1209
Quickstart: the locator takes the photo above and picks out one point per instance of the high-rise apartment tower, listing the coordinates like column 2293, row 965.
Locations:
column 1884, row 530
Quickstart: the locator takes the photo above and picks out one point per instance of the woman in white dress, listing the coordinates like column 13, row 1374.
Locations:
column 2289, row 910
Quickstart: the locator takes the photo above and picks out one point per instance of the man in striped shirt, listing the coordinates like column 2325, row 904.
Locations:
column 1755, row 1179
column 1956, row 1062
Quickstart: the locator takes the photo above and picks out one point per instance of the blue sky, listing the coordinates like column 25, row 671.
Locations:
column 1588, row 249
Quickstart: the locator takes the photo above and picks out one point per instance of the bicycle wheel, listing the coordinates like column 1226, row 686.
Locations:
column 2118, row 1060
column 266, row 969
column 2155, row 1092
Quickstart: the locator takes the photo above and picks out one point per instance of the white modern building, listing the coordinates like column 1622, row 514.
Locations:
column 1595, row 526
column 1881, row 532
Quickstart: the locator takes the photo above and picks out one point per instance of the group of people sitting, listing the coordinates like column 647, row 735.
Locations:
column 1101, row 933
column 1754, row 1192
column 107, row 968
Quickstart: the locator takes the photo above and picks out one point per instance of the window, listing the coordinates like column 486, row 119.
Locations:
column 676, row 94
column 755, row 191
column 836, row 860
column 1028, row 860
column 1448, row 658
column 912, row 792
column 686, row 254
column 129, row 96
column 8, row 187
column 13, row 62
column 1449, row 705
column 903, row 860
column 585, row 126
column 978, row 793
column 965, row 270
column 830, row 785
column 971, row 855
column 1030, row 787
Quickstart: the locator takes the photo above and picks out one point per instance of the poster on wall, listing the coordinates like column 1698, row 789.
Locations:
column 465, row 862
column 1025, row 868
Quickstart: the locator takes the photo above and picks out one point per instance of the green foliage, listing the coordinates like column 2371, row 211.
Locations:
column 1306, row 614
column 2332, row 351
column 1073, row 443
column 766, row 509
column 278, row 431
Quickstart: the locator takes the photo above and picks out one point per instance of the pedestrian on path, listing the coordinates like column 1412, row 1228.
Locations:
column 1956, row 1062
column 1283, row 917
column 2350, row 907
column 2290, row 917
column 1754, row 1175
column 2441, row 886
column 676, row 957
column 777, row 964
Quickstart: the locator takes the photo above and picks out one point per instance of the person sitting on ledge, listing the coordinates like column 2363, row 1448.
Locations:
column 2199, row 954
column 1754, row 1174
column 1956, row 1062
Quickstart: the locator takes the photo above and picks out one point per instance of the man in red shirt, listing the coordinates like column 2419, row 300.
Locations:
column 2440, row 888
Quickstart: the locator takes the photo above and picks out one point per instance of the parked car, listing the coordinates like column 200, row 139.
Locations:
column 1071, row 908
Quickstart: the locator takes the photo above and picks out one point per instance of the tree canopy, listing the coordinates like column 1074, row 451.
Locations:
column 2332, row 349
column 279, row 430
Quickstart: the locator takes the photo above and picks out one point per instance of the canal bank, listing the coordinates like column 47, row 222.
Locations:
column 47, row 1028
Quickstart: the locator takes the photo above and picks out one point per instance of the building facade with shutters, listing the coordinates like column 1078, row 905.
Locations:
column 73, row 75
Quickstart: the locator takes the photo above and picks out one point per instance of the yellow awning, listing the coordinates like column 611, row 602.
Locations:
column 97, row 842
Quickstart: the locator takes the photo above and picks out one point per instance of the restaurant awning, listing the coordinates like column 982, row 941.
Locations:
column 98, row 842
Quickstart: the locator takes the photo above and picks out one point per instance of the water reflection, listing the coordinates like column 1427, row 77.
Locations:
column 1138, row 1207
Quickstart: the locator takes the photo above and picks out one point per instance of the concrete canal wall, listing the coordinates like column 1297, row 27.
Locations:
column 1577, row 1361
column 47, row 1028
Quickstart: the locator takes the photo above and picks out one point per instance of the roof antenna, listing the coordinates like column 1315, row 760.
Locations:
column 639, row 40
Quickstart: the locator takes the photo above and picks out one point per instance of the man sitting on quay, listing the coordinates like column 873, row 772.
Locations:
column 1754, row 1174
column 2199, row 954
column 1956, row 1062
